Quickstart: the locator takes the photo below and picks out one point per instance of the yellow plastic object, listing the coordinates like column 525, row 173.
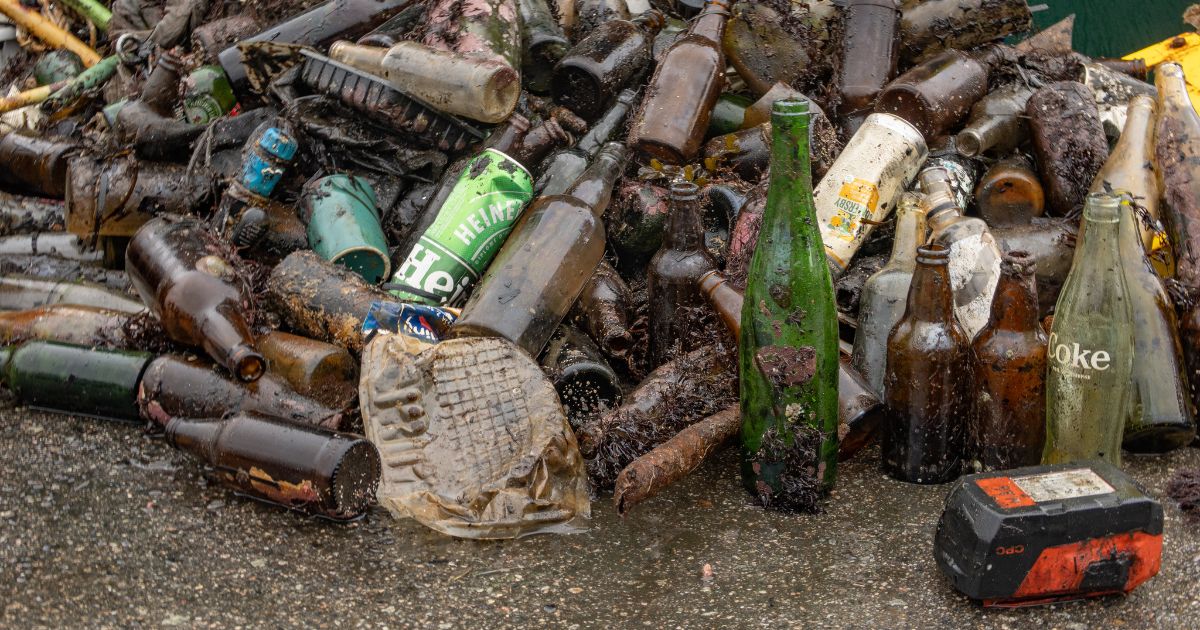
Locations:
column 47, row 31
column 1182, row 49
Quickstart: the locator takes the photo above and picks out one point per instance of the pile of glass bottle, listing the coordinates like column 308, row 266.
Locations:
column 600, row 182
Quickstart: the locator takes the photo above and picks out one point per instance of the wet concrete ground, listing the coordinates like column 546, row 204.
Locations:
column 101, row 526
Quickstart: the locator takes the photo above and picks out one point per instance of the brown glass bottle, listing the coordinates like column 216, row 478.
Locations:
column 674, row 115
column 860, row 412
column 1008, row 427
column 195, row 293
column 323, row 371
column 548, row 258
column 35, row 164
column 585, row 382
column 592, row 73
column 1178, row 143
column 870, row 50
column 673, row 275
column 929, row 380
column 321, row 299
column 746, row 152
column 174, row 386
column 1010, row 194
column 937, row 94
column 592, row 13
column 296, row 466
column 602, row 311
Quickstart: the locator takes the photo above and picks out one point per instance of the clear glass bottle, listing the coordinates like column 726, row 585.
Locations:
column 885, row 294
column 1091, row 347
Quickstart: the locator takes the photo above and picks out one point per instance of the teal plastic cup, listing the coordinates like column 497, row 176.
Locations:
column 343, row 226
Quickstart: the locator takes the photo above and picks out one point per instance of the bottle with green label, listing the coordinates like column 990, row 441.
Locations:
column 474, row 216
column 1091, row 346
column 789, row 337
column 207, row 95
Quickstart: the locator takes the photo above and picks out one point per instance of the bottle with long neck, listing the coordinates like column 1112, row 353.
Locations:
column 592, row 72
column 472, row 213
column 885, row 294
column 1160, row 414
column 860, row 411
column 564, row 167
column 997, row 122
column 194, row 292
column 928, row 385
column 1177, row 144
column 673, row 273
column 546, row 261
column 1091, row 347
column 936, row 94
column 1008, row 428
column 1130, row 168
column 788, row 351
column 679, row 100
column 299, row 467
column 974, row 255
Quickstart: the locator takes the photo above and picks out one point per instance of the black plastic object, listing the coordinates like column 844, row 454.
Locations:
column 385, row 104
column 1049, row 533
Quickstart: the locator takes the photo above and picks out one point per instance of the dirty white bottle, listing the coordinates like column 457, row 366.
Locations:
column 480, row 88
column 864, row 184
column 974, row 255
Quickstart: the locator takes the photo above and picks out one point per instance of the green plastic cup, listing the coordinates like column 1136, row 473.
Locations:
column 343, row 226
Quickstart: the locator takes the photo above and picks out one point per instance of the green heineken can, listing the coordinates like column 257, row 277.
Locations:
column 471, row 226
column 207, row 95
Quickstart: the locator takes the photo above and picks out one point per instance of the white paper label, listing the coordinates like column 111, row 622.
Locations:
column 1068, row 484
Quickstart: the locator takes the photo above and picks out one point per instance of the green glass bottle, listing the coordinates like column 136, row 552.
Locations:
column 1160, row 409
column 789, row 339
column 1091, row 347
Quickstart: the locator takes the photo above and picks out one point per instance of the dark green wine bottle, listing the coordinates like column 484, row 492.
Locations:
column 789, row 338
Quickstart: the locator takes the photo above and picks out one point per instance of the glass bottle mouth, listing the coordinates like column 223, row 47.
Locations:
column 1018, row 263
column 1102, row 207
column 1169, row 69
column 933, row 254
column 684, row 191
column 790, row 107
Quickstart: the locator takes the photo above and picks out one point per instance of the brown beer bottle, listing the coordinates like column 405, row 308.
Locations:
column 195, row 293
column 937, row 94
column 673, row 274
column 870, row 50
column 687, row 82
column 1009, row 423
column 299, row 467
column 34, row 164
column 928, row 384
column 548, row 258
column 1010, row 194
column 592, row 73
column 174, row 386
column 602, row 311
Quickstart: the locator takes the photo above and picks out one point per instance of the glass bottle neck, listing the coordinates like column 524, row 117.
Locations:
column 726, row 300
column 594, row 187
column 910, row 233
column 929, row 297
column 790, row 167
column 1136, row 144
column 685, row 230
column 1172, row 87
column 711, row 22
column 1015, row 306
column 603, row 129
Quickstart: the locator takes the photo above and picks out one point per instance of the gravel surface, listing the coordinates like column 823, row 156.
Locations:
column 102, row 526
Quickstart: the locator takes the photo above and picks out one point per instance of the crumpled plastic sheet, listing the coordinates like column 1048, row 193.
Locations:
column 474, row 440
